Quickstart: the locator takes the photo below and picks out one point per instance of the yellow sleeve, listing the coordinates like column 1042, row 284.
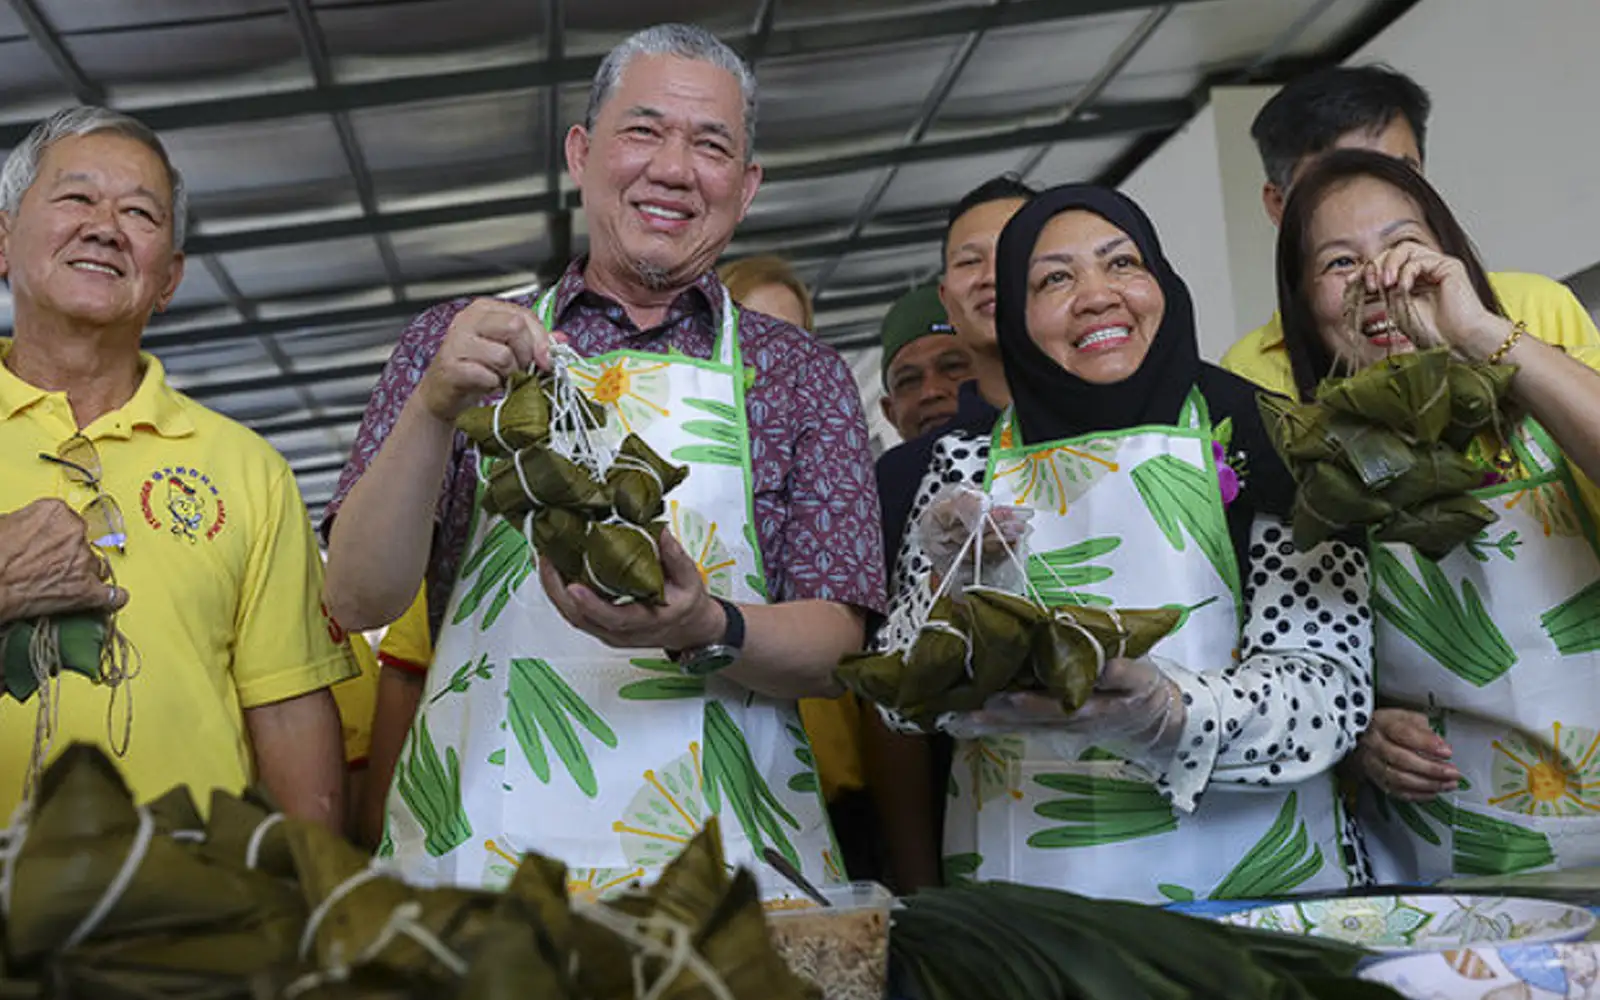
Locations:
column 408, row 644
column 1552, row 312
column 285, row 645
column 357, row 698
column 1260, row 357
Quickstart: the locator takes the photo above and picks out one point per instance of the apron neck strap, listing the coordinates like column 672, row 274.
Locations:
column 724, row 352
column 1537, row 450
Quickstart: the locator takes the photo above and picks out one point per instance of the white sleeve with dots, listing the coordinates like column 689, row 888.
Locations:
column 1302, row 691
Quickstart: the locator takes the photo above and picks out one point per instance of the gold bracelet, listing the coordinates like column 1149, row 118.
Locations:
column 1518, row 328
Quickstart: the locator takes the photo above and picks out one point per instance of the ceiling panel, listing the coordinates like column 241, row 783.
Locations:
column 305, row 267
column 183, row 53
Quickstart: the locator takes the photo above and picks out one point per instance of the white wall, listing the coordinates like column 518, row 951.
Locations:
column 1514, row 145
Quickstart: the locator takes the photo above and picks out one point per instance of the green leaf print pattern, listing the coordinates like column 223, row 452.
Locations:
column 731, row 772
column 804, row 782
column 724, row 433
column 541, row 701
column 432, row 791
column 1277, row 864
column 1455, row 631
column 1574, row 624
column 462, row 679
column 1176, row 893
column 1100, row 810
column 755, row 581
column 1060, row 575
column 502, row 563
column 1507, row 545
column 1481, row 845
column 1182, row 496
column 670, row 686
column 959, row 868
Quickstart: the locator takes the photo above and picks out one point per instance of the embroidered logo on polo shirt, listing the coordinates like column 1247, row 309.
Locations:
column 183, row 501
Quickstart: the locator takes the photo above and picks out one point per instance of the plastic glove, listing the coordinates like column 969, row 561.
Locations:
column 946, row 532
column 1136, row 711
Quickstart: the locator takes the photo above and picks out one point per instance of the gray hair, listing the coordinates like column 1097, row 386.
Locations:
column 686, row 41
column 22, row 166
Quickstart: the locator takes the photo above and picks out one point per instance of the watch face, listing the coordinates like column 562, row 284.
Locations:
column 709, row 661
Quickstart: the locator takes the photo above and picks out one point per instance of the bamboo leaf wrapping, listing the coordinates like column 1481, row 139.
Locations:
column 1182, row 495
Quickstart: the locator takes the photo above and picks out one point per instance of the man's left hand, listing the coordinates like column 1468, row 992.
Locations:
column 689, row 618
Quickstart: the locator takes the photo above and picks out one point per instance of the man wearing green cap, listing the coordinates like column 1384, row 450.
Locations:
column 924, row 363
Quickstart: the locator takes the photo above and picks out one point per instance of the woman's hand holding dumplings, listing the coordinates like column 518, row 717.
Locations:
column 953, row 518
column 1433, row 302
column 1135, row 710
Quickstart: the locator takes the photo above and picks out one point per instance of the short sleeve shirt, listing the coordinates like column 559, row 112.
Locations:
column 223, row 577
column 816, row 506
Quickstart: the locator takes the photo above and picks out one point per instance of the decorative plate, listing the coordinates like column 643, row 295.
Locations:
column 1515, row 972
column 1422, row 922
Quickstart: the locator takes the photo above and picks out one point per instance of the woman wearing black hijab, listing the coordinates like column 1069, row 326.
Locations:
column 1149, row 482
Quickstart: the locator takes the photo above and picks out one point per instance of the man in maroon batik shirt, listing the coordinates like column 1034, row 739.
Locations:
column 664, row 162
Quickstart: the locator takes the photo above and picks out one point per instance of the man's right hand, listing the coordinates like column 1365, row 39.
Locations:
column 486, row 343
column 47, row 565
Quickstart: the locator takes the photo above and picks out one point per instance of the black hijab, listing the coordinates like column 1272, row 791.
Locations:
column 1052, row 403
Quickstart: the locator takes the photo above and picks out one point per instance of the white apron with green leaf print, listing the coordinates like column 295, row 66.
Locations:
column 1500, row 643
column 1131, row 519
column 534, row 736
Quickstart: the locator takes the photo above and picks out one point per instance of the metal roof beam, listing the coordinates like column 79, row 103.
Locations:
column 44, row 35
column 808, row 39
column 1106, row 120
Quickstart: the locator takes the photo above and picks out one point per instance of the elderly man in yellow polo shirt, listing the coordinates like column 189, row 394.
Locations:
column 1373, row 107
column 211, row 550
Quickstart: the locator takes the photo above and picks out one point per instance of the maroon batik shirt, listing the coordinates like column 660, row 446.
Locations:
column 816, row 504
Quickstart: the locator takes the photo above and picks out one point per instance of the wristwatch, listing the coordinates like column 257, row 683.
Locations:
column 702, row 660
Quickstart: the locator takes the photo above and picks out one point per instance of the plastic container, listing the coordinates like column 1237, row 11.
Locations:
column 843, row 948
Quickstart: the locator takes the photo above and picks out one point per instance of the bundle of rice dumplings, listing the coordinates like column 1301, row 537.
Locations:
column 594, row 512
column 1382, row 450
column 107, row 899
column 37, row 648
column 984, row 641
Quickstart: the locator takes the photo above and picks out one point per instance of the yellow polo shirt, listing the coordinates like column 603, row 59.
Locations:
column 356, row 698
column 408, row 644
column 1552, row 312
column 222, row 574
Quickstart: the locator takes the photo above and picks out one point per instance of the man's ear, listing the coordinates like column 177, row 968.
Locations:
column 1272, row 200
column 888, row 408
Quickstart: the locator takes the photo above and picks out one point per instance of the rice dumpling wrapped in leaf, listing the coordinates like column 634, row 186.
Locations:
column 516, row 960
column 1438, row 471
column 83, row 830
column 248, row 832
column 1435, row 528
column 523, row 419
column 693, row 884
column 873, row 676
column 1298, row 430
column 1067, row 659
column 638, row 480
column 174, row 812
column 623, row 562
column 1002, row 627
column 1409, row 393
column 80, row 640
column 540, row 477
column 1477, row 392
column 1329, row 500
column 941, row 656
column 457, row 918
column 560, row 535
column 1377, row 457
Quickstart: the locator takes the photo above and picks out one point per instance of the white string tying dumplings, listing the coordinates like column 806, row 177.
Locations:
column 119, row 885
column 44, row 658
column 679, row 953
column 258, row 836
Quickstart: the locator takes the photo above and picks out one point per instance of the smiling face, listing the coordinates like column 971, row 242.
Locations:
column 665, row 174
column 1354, row 223
column 1093, row 306
column 967, row 288
column 923, row 381
column 91, row 241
